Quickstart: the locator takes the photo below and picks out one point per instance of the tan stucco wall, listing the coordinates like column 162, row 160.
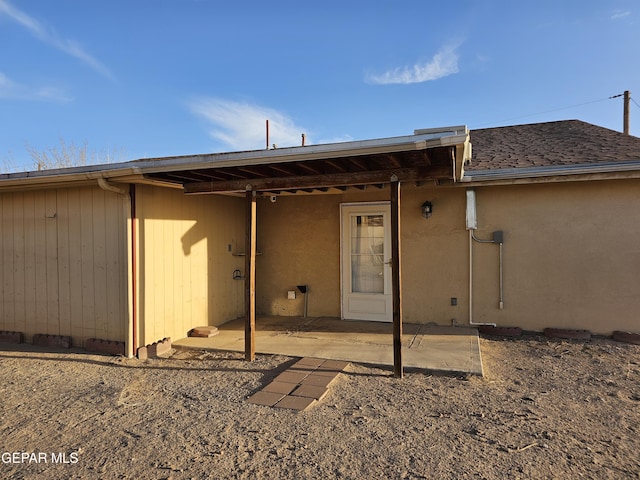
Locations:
column 64, row 263
column 570, row 255
column 299, row 238
column 186, row 261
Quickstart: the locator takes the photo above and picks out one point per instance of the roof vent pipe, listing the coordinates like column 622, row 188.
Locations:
column 267, row 127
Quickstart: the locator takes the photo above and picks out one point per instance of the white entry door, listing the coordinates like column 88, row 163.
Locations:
column 366, row 266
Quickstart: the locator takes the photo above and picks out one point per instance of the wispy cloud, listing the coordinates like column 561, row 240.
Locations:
column 16, row 91
column 50, row 37
column 241, row 126
column 337, row 139
column 618, row 14
column 442, row 64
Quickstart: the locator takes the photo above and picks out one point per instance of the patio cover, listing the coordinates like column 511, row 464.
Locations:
column 438, row 155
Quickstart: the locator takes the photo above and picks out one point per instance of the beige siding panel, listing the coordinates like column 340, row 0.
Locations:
column 54, row 276
column 51, row 262
column 87, row 264
column 186, row 267
column 64, row 263
column 40, row 254
column 115, row 235
column 30, row 311
column 74, row 244
column 100, row 263
column 8, row 307
column 18, row 261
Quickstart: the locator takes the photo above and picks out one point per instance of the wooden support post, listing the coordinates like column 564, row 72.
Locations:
column 396, row 277
column 625, row 120
column 250, row 279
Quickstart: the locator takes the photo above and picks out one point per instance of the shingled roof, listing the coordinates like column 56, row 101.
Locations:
column 562, row 143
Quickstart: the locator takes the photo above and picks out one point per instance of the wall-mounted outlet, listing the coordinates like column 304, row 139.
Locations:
column 454, row 301
column 291, row 295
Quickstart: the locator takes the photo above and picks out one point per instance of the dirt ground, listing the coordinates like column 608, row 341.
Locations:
column 545, row 409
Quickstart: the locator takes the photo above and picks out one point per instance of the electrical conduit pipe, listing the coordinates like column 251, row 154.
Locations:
column 472, row 225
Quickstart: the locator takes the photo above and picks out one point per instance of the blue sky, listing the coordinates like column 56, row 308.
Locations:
column 154, row 78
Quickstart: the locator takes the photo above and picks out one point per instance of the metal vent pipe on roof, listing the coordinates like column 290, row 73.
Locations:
column 267, row 126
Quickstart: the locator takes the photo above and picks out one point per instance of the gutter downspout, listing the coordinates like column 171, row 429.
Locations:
column 472, row 225
column 129, row 212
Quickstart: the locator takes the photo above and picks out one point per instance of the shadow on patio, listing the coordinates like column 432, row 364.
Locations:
column 448, row 349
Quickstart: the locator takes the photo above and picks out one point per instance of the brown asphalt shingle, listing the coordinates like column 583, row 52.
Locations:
column 562, row 143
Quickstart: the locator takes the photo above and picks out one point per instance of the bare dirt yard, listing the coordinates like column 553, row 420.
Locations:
column 545, row 409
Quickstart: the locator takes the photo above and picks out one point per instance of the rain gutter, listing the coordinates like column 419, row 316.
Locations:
column 63, row 176
column 522, row 173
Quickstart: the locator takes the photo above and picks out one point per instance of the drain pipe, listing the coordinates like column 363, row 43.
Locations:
column 130, row 213
column 472, row 225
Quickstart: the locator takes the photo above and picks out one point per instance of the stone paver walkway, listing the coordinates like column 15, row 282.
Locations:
column 301, row 385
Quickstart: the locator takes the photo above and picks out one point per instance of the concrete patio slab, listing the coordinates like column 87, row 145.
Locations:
column 448, row 349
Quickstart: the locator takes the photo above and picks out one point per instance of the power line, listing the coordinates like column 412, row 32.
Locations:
column 547, row 111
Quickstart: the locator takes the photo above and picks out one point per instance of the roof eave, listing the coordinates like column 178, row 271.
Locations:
column 553, row 173
column 134, row 171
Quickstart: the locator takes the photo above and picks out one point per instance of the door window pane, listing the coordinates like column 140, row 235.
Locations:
column 367, row 254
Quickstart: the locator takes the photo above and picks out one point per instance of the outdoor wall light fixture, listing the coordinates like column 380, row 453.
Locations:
column 427, row 209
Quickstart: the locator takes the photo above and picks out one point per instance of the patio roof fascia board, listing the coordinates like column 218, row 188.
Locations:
column 299, row 154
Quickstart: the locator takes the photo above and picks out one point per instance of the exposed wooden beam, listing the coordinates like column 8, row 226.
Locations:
column 185, row 176
column 358, row 163
column 250, row 278
column 335, row 165
column 280, row 169
column 233, row 172
column 393, row 159
column 308, row 168
column 396, row 278
column 316, row 181
column 209, row 174
column 253, row 171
